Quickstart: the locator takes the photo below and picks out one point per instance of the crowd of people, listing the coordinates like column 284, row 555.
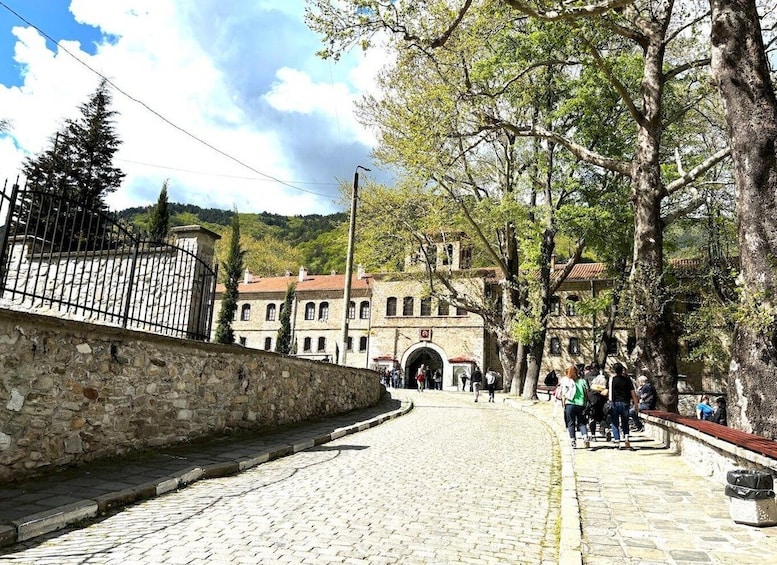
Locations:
column 427, row 379
column 597, row 405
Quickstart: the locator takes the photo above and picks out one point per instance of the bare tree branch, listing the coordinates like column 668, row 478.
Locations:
column 697, row 171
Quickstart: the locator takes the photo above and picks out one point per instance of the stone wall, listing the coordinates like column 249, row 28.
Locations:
column 71, row 392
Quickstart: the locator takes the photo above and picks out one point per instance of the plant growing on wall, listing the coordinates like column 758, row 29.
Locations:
column 233, row 269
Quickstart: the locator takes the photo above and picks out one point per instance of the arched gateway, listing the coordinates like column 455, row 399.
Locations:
column 422, row 353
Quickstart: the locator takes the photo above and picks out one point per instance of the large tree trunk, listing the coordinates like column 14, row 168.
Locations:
column 742, row 74
column 655, row 332
column 533, row 364
column 508, row 358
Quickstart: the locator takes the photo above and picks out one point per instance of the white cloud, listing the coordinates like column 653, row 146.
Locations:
column 159, row 58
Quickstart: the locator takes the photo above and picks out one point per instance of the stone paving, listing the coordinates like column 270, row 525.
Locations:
column 452, row 481
column 649, row 507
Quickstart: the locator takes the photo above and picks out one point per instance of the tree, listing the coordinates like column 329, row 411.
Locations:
column 160, row 217
column 79, row 163
column 233, row 270
column 639, row 51
column 283, row 338
column 741, row 71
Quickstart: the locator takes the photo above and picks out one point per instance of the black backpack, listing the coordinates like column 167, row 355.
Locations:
column 551, row 379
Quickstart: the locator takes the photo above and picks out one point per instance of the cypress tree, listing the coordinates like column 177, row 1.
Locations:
column 233, row 269
column 283, row 338
column 160, row 217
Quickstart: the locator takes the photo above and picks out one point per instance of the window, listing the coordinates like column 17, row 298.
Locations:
column 572, row 305
column 426, row 306
column 306, row 344
column 364, row 310
column 270, row 315
column 267, row 343
column 555, row 305
column 612, row 346
column 349, row 343
column 243, row 341
column 245, row 312
column 631, row 343
column 443, row 308
column 574, row 346
column 447, row 258
column 466, row 258
column 323, row 311
column 351, row 310
column 555, row 346
column 322, row 344
column 391, row 306
column 461, row 311
column 310, row 311
column 407, row 306
column 362, row 343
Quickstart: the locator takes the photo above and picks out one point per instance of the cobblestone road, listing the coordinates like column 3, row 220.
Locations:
column 451, row 482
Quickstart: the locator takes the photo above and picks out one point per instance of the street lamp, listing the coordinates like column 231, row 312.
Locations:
column 349, row 266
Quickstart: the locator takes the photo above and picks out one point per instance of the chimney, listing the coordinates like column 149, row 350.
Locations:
column 333, row 272
column 360, row 272
column 303, row 272
column 552, row 263
column 288, row 273
column 247, row 277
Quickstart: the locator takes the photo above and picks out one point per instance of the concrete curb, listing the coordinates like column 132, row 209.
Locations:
column 57, row 518
column 570, row 539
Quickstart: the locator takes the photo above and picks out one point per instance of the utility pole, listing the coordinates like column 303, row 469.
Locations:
column 349, row 267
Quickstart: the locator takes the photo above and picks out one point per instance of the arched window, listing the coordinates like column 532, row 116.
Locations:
column 572, row 305
column 323, row 311
column 364, row 310
column 306, row 344
column 267, row 343
column 574, row 346
column 391, row 306
column 349, row 343
column 245, row 312
column 270, row 315
column 351, row 310
column 612, row 346
column 443, row 308
column 461, row 311
column 407, row 306
column 310, row 311
column 322, row 344
column 555, row 306
column 555, row 346
column 426, row 306
column 362, row 343
column 447, row 258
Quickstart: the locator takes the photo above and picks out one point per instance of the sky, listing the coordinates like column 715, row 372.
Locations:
column 227, row 101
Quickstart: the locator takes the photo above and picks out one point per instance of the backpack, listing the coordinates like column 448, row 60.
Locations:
column 551, row 379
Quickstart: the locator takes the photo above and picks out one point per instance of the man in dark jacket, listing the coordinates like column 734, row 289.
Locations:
column 646, row 393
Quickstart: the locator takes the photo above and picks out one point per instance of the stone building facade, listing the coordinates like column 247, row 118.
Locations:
column 393, row 322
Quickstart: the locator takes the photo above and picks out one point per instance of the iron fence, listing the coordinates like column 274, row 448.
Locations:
column 62, row 257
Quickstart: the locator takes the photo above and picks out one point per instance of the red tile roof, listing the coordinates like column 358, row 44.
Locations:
column 310, row 283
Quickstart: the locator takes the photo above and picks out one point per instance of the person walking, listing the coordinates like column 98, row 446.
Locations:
column 421, row 377
column 437, row 379
column 575, row 394
column 491, row 383
column 646, row 394
column 476, row 381
column 622, row 394
column 464, row 379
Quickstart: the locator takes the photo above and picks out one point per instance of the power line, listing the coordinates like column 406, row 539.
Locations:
column 157, row 114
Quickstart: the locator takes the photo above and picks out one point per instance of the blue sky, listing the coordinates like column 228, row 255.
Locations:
column 241, row 76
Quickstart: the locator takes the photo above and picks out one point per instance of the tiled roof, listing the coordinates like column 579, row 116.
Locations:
column 309, row 283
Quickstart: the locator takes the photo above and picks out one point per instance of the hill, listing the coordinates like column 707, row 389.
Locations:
column 273, row 243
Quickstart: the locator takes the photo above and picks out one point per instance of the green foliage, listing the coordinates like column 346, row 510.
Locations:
column 79, row 162
column 159, row 221
column 233, row 270
column 283, row 338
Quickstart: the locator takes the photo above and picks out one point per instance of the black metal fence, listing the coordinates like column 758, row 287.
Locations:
column 64, row 258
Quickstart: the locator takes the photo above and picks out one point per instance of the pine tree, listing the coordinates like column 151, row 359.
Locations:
column 283, row 339
column 79, row 163
column 160, row 217
column 233, row 269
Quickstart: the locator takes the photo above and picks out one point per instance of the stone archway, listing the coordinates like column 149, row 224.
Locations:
column 421, row 356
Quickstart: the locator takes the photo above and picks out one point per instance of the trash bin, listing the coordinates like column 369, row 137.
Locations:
column 751, row 497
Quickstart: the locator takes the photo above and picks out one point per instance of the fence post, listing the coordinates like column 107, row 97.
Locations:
column 7, row 229
column 130, row 285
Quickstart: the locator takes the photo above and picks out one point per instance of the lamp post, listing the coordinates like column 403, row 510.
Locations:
column 349, row 267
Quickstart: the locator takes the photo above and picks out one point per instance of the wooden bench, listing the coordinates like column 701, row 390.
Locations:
column 545, row 389
column 745, row 440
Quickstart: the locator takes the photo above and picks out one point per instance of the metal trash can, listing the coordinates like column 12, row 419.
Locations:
column 751, row 497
